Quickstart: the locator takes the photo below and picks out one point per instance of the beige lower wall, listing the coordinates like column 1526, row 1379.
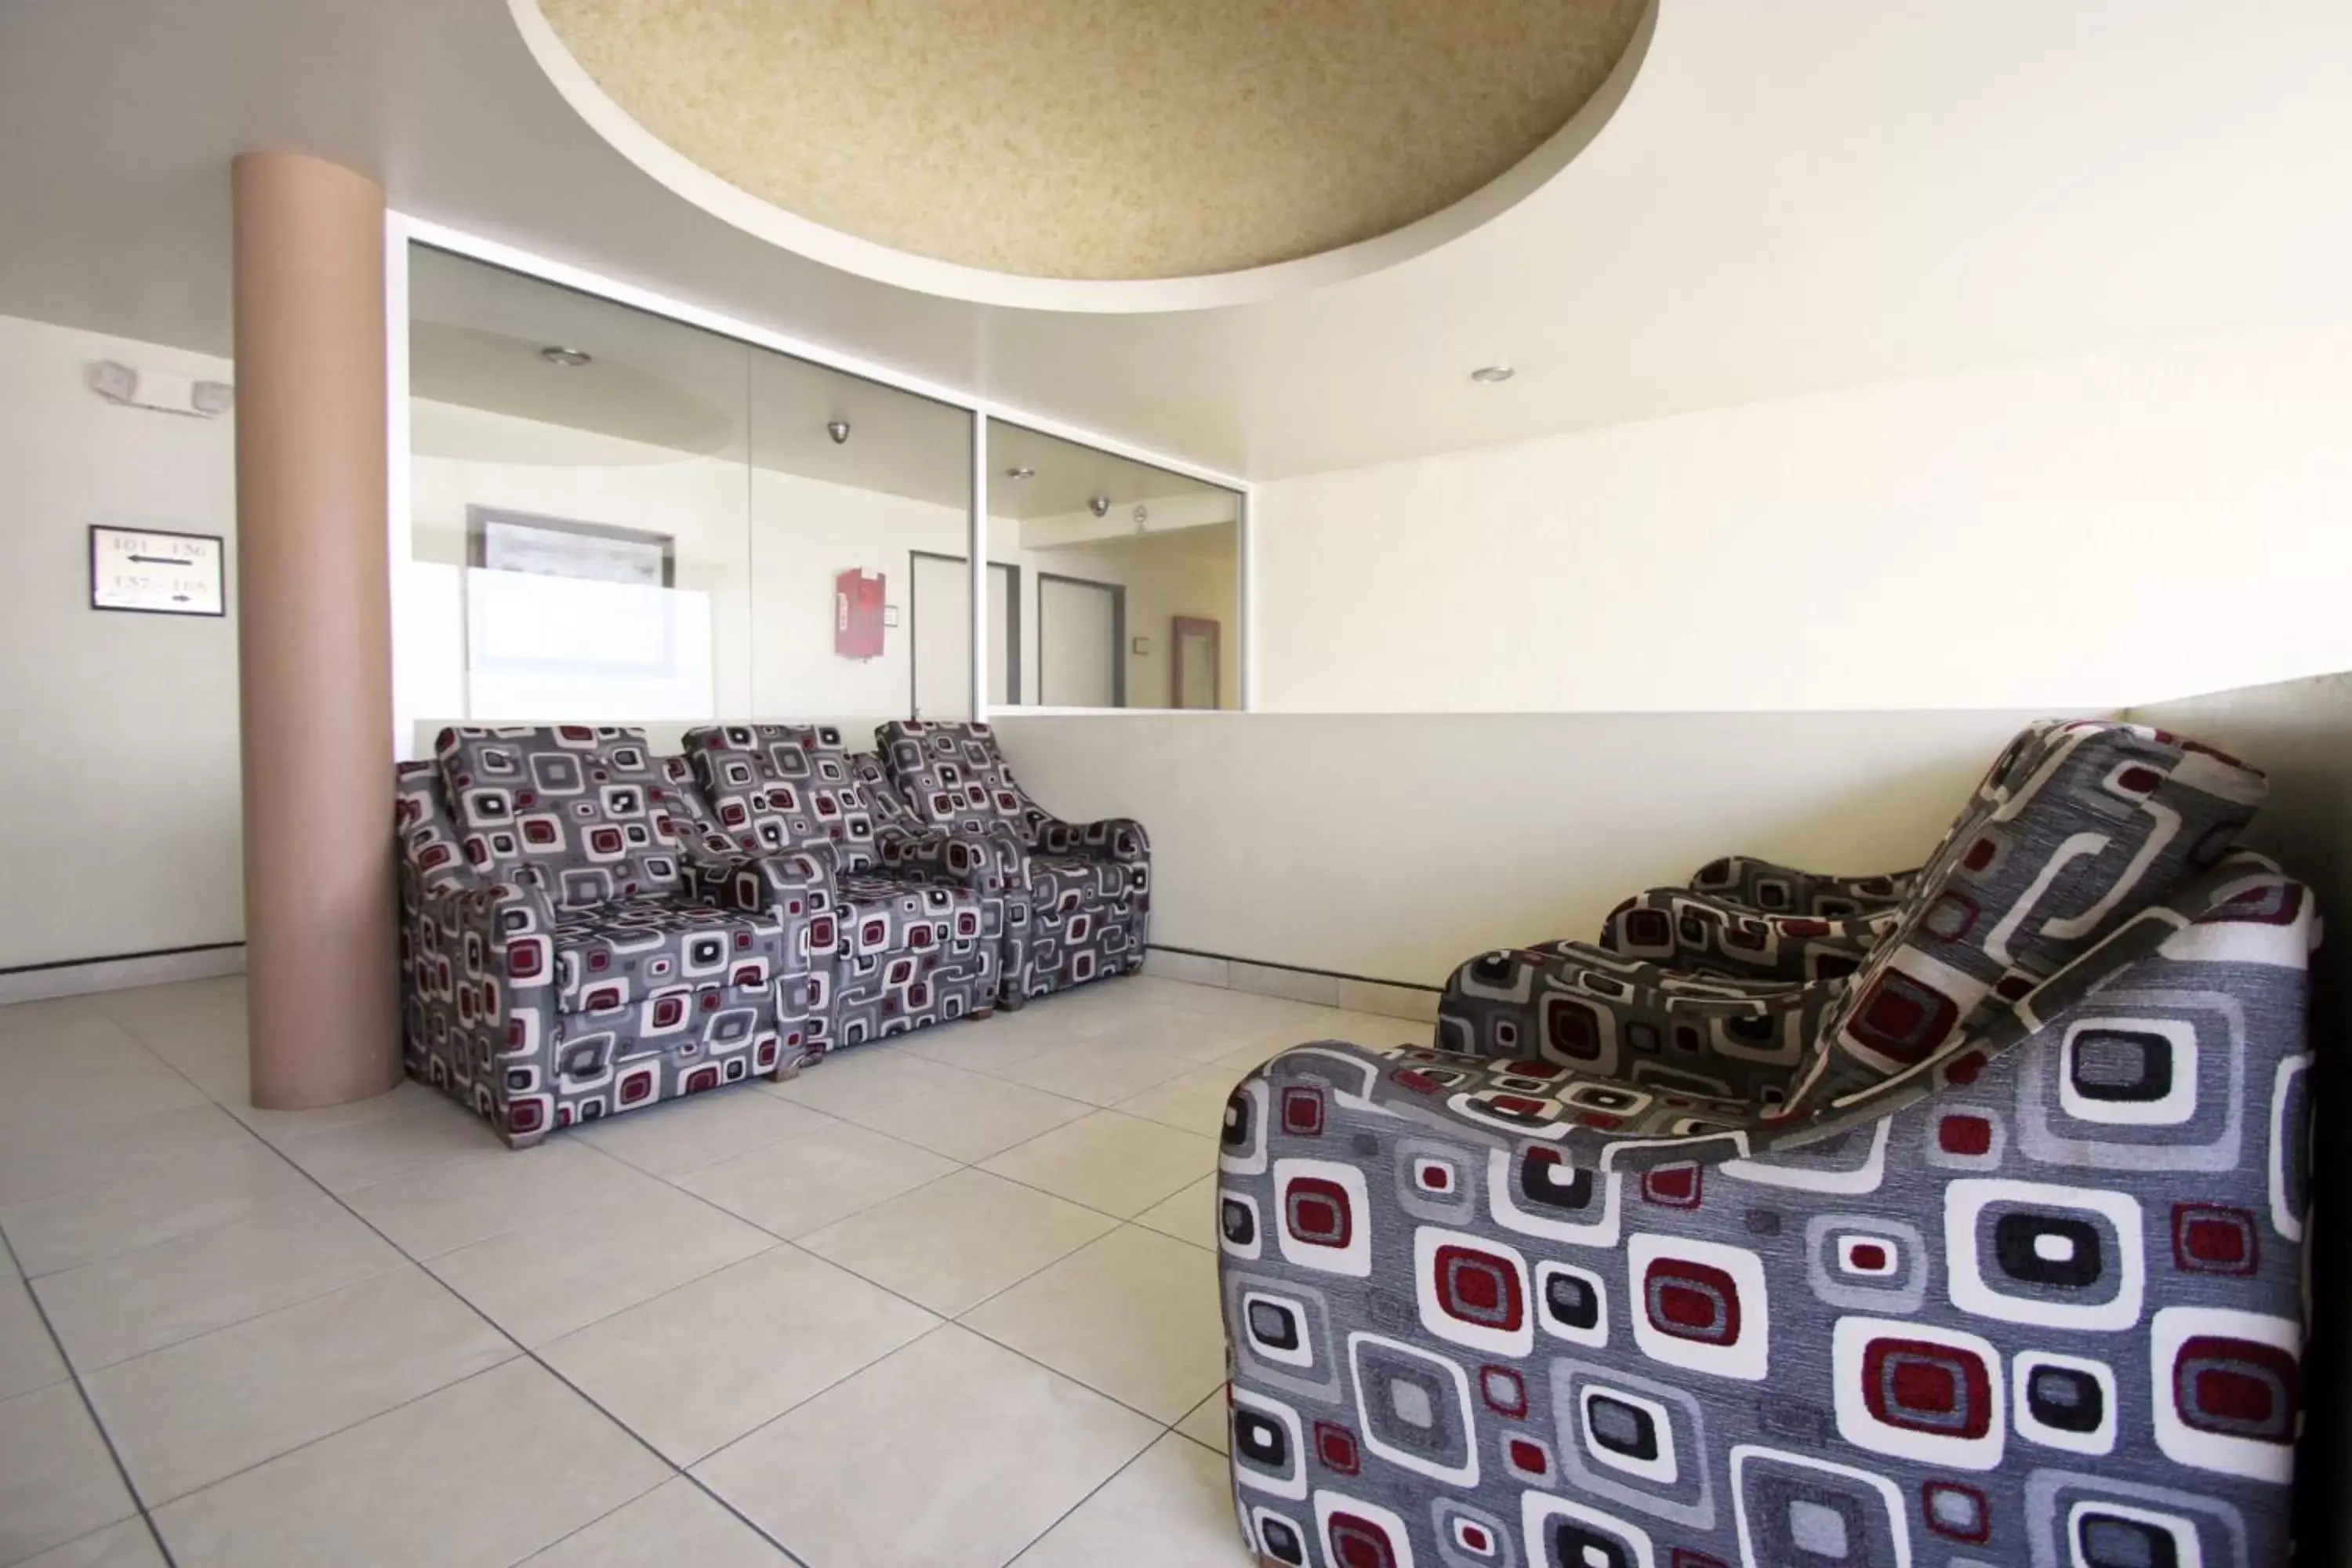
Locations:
column 1394, row 847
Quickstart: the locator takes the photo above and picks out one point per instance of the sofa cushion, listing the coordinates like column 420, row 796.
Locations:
column 2078, row 827
column 570, row 809
column 882, row 913
column 776, row 787
column 952, row 776
column 631, row 951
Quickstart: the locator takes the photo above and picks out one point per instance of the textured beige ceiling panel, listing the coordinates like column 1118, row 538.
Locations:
column 1102, row 139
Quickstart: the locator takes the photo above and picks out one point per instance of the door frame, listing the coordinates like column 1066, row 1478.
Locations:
column 1118, row 591
column 1176, row 626
column 1011, row 623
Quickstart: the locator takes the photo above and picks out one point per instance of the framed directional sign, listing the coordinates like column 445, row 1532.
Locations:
column 155, row 571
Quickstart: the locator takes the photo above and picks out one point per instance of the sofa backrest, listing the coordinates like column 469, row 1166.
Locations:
column 569, row 808
column 952, row 776
column 2078, row 827
column 779, row 787
column 882, row 798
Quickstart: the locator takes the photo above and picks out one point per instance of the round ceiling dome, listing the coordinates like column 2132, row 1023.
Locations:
column 1079, row 142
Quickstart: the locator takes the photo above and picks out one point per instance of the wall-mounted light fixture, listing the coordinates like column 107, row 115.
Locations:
column 1100, row 506
column 838, row 429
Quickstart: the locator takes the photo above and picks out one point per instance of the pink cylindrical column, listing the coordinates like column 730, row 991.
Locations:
column 314, row 632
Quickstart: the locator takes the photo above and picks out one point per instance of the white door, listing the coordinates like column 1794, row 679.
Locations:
column 1000, row 646
column 942, row 615
column 1078, row 643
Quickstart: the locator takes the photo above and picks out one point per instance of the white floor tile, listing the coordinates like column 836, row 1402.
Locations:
column 695, row 1368
column 681, row 1136
column 1097, row 1072
column 973, row 1118
column 960, row 1240
column 56, row 1481
column 456, row 1202
column 1119, row 1165
column 140, row 1301
column 1172, row 1507
column 1190, row 1215
column 796, row 1187
column 407, row 1136
column 1133, row 1315
column 952, row 1453
column 548, row 1279
column 1193, row 1101
column 1207, row 1422
column 674, row 1523
column 128, row 1544
column 42, row 1161
column 186, row 1415
column 29, row 1357
column 202, row 1192
column 865, row 1079
column 483, row 1473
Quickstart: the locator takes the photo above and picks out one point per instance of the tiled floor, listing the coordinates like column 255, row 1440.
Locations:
column 947, row 1300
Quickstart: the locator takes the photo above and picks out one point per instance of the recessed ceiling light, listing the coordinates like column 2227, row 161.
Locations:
column 1493, row 375
column 570, row 359
column 1021, row 473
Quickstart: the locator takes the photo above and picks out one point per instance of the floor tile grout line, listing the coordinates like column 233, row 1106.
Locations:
column 526, row 1352
column 522, row 1351
column 1092, row 1492
column 97, row 1422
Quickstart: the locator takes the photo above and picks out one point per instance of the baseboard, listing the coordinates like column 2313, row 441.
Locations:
column 119, row 972
column 1323, row 987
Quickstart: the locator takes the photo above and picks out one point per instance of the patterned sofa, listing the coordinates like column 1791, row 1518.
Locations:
column 1987, row 1255
column 897, row 939
column 1077, row 896
column 1752, row 919
column 561, row 958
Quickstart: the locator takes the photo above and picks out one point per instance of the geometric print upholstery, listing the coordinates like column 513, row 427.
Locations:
column 2047, row 1310
column 774, row 787
column 569, row 809
column 538, row 1016
column 632, row 949
column 1774, row 890
column 990, row 865
column 912, row 953
column 2075, row 829
column 1706, row 935
column 1081, row 896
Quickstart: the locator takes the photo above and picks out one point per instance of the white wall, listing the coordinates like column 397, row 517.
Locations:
column 120, row 777
column 1393, row 846
column 2093, row 531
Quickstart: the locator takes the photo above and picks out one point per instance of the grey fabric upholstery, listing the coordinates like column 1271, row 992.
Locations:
column 1078, row 905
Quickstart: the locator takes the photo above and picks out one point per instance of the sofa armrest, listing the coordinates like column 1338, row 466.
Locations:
column 986, row 862
column 1703, row 936
column 1770, row 889
column 497, row 942
column 1603, row 1016
column 1117, row 839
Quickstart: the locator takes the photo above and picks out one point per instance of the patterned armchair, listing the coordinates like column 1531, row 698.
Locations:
column 1079, row 901
column 1747, row 919
column 1989, row 1255
column 558, row 962
column 890, row 947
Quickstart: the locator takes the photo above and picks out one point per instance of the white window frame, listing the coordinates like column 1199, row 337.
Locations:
column 402, row 231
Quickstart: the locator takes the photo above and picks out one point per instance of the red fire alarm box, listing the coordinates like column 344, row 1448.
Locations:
column 857, row 614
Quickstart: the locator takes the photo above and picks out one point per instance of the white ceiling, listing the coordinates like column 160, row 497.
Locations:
column 1795, row 196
